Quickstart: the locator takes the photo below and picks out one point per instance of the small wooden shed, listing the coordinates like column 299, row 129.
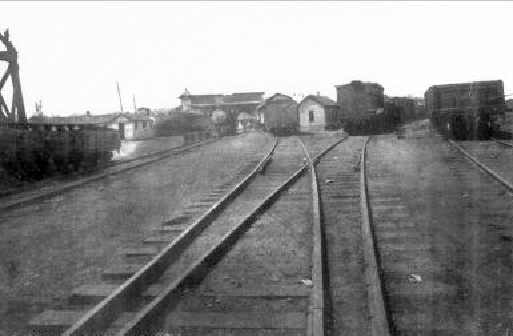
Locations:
column 318, row 113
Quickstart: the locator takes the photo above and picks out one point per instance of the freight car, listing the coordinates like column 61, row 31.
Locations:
column 33, row 151
column 466, row 111
column 29, row 151
column 280, row 114
column 362, row 106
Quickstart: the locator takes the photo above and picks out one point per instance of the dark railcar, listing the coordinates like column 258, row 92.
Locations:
column 363, row 108
column 32, row 151
column 466, row 111
column 280, row 113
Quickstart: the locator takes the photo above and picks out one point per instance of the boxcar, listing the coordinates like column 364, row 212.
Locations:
column 34, row 151
column 467, row 110
column 280, row 113
column 362, row 105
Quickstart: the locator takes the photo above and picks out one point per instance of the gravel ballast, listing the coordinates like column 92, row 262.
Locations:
column 50, row 248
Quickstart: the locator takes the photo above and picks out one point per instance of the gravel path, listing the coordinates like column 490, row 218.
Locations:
column 48, row 249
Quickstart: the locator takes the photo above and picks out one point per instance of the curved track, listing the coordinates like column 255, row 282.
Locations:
column 148, row 300
column 354, row 302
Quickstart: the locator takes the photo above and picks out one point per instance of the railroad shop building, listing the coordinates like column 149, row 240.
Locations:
column 317, row 113
column 131, row 126
column 236, row 103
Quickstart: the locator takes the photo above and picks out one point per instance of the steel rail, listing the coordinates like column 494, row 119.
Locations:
column 36, row 196
column 316, row 314
column 104, row 313
column 503, row 143
column 158, row 153
column 151, row 317
column 482, row 166
column 316, row 310
column 378, row 313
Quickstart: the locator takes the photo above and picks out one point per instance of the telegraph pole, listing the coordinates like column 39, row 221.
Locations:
column 119, row 94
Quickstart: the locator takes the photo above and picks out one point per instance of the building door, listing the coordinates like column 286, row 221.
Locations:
column 121, row 131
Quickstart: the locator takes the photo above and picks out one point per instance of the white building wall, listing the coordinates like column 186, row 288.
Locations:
column 319, row 120
column 129, row 131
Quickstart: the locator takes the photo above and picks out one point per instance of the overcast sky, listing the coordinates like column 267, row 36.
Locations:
column 71, row 54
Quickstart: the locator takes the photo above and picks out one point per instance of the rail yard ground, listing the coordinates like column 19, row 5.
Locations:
column 130, row 149
column 49, row 248
column 441, row 229
column 443, row 232
column 133, row 148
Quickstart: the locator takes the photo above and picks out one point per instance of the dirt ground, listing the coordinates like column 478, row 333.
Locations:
column 134, row 148
column 274, row 252
column 464, row 219
column 496, row 157
column 130, row 149
column 48, row 249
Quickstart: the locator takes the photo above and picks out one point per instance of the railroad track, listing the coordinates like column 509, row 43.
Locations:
column 145, row 303
column 490, row 157
column 11, row 201
column 504, row 143
column 438, row 267
column 354, row 302
column 369, row 269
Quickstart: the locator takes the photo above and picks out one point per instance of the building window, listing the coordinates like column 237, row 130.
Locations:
column 311, row 116
column 144, row 124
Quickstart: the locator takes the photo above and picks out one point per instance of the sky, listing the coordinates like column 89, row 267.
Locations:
column 72, row 53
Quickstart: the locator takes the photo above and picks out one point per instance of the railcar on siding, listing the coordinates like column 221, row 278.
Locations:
column 467, row 111
column 362, row 106
column 33, row 151
column 280, row 114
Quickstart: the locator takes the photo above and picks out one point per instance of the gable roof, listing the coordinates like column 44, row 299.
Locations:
column 276, row 98
column 322, row 100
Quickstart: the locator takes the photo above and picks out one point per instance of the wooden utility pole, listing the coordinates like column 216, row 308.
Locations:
column 119, row 94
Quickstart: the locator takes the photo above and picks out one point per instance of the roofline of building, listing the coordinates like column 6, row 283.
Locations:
column 314, row 97
column 249, row 92
column 359, row 82
column 443, row 86
column 253, row 102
